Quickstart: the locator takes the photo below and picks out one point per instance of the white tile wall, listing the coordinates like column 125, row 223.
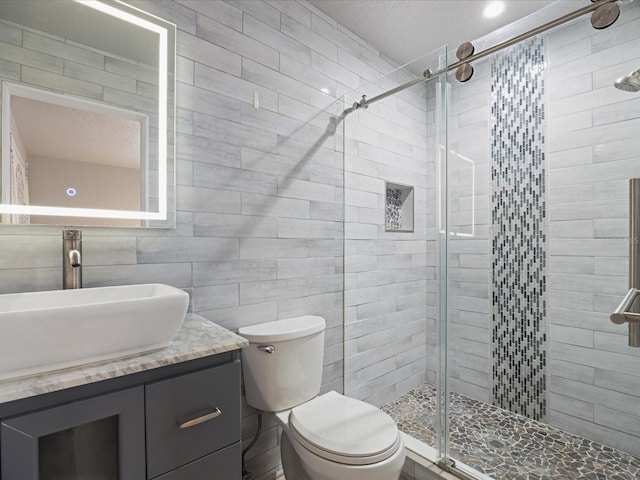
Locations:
column 386, row 289
column 591, row 157
column 259, row 197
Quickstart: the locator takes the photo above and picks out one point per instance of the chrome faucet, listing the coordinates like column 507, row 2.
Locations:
column 71, row 259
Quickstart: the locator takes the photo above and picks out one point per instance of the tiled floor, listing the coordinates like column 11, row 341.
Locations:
column 506, row 446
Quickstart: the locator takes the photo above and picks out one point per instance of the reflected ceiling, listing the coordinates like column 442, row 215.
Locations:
column 54, row 131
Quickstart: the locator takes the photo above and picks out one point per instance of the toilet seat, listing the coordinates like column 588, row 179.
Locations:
column 344, row 430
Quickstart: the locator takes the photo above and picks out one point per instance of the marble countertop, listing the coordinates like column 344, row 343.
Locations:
column 197, row 338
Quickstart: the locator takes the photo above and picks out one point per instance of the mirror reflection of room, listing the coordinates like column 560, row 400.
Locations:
column 66, row 157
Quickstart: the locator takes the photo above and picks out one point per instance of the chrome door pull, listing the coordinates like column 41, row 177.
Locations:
column 267, row 348
column 627, row 310
column 204, row 418
column 622, row 313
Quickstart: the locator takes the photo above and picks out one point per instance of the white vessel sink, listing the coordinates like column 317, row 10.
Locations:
column 43, row 331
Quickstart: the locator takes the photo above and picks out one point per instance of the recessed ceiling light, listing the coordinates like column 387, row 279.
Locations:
column 493, row 9
column 325, row 90
column 71, row 192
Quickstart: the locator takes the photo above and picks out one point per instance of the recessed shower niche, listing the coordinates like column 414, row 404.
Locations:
column 398, row 207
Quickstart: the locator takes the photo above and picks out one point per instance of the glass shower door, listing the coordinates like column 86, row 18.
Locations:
column 540, row 151
column 391, row 157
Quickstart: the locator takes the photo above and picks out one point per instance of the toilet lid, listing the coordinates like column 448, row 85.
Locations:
column 345, row 427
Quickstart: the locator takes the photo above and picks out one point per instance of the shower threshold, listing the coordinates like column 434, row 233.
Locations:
column 504, row 445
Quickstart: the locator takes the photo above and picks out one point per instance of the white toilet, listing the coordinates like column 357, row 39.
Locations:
column 326, row 437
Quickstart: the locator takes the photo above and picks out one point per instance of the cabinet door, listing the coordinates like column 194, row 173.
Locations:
column 225, row 464
column 100, row 437
column 191, row 416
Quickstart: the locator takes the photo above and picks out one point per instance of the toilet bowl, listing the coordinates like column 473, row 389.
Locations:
column 337, row 437
column 324, row 437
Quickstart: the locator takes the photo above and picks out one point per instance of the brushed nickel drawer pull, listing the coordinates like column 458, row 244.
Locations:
column 204, row 418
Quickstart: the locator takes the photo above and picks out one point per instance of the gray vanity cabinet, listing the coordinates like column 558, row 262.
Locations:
column 92, row 438
column 215, row 466
column 180, row 422
column 191, row 416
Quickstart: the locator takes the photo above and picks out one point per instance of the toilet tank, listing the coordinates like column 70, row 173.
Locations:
column 282, row 366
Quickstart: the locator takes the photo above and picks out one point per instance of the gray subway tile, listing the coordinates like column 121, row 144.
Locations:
column 216, row 296
column 233, row 271
column 60, row 49
column 100, row 77
column 242, row 315
column 262, row 32
column 202, row 51
column 305, row 267
column 194, row 199
column 259, row 292
column 233, row 226
column 271, row 78
column 10, row 34
column 301, row 228
column 207, row 102
column 60, row 83
column 207, row 150
column 270, row 206
column 180, row 249
column 247, row 47
column 273, row 248
column 219, row 10
column 234, row 133
column 176, row 274
column 40, row 61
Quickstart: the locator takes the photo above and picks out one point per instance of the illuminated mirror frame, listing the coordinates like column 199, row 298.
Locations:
column 163, row 79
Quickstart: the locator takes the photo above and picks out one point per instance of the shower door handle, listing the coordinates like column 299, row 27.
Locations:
column 622, row 313
column 626, row 311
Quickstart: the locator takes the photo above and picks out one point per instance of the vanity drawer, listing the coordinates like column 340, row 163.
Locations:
column 207, row 405
column 225, row 464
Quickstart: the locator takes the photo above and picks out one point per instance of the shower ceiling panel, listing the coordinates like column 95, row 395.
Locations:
column 406, row 29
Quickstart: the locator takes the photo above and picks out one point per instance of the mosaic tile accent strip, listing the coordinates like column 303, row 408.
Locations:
column 394, row 209
column 518, row 208
column 508, row 446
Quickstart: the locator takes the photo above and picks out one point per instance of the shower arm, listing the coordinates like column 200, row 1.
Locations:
column 428, row 74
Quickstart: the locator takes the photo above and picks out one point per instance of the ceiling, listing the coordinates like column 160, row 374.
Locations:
column 407, row 29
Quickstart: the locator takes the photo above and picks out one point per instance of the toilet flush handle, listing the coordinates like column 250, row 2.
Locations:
column 267, row 348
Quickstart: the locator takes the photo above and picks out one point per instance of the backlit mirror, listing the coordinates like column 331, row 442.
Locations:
column 87, row 114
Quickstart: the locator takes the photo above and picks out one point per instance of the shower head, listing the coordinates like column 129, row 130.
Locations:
column 630, row 83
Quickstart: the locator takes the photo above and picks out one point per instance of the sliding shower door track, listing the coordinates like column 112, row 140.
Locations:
column 599, row 8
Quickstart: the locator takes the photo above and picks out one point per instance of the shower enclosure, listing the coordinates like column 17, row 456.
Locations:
column 487, row 245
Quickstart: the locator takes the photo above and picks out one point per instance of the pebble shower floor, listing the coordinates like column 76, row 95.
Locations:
column 506, row 446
